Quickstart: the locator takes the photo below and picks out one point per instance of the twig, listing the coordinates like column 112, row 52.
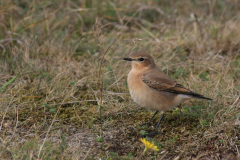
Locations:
column 7, row 109
column 48, row 132
column 11, row 39
column 3, row 48
column 4, row 117
column 100, row 78
column 143, row 28
column 73, row 102
column 199, row 26
column 163, row 156
column 115, row 82
column 15, row 125
column 2, row 140
column 88, row 152
column 50, row 128
column 82, row 9
column 100, row 68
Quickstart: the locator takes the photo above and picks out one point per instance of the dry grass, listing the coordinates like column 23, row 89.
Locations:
column 51, row 111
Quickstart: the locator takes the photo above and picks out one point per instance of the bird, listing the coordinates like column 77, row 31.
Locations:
column 154, row 90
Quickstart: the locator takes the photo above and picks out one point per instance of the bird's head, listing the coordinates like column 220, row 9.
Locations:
column 141, row 61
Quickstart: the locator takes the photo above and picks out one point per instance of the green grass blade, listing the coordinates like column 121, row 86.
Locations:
column 9, row 82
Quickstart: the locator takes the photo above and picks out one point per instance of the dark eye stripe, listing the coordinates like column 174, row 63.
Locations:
column 141, row 59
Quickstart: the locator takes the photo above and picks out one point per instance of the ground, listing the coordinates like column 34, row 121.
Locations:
column 63, row 84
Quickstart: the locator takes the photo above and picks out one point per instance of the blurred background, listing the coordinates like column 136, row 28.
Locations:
column 60, row 60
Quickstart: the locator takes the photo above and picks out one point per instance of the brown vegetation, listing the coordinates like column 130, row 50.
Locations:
column 50, row 98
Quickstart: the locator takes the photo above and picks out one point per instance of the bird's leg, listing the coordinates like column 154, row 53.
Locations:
column 149, row 119
column 155, row 131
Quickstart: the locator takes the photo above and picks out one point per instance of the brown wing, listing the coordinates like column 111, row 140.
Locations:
column 156, row 82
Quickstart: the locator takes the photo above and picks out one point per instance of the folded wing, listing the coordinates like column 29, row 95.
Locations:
column 168, row 85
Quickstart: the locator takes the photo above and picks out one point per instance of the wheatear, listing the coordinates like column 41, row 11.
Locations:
column 153, row 89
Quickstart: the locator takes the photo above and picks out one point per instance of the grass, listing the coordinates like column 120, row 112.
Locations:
column 52, row 92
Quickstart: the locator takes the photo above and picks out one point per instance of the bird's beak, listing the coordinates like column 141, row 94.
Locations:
column 128, row 59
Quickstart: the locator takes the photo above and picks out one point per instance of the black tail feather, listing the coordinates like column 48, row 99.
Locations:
column 195, row 95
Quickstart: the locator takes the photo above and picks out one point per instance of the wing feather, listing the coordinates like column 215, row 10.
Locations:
column 168, row 85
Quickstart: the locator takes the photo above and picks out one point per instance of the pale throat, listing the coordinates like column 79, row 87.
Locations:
column 138, row 67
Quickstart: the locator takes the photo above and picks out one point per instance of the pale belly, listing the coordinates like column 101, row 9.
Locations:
column 153, row 99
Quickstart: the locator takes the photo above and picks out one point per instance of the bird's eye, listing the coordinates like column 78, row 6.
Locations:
column 141, row 59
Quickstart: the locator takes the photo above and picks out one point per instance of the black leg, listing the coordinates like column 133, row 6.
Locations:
column 155, row 130
column 150, row 119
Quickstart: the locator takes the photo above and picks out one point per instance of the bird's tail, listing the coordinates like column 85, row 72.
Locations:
column 195, row 95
